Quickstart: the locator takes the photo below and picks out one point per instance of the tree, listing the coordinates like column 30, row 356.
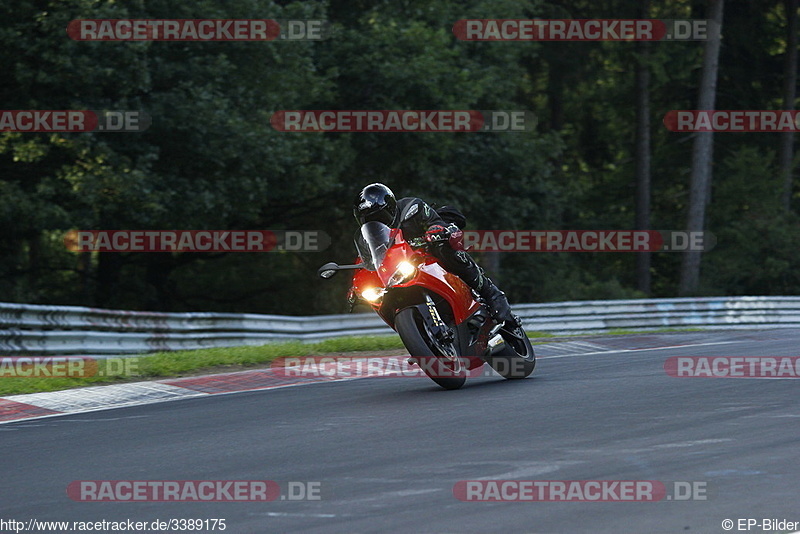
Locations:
column 643, row 259
column 786, row 154
column 703, row 150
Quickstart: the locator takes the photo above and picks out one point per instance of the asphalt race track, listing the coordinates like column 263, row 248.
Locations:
column 387, row 452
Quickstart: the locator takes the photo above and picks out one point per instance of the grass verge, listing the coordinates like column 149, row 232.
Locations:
column 221, row 359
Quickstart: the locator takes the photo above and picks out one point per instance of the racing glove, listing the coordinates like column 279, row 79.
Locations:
column 437, row 233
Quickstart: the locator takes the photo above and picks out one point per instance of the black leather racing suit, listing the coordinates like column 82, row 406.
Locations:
column 414, row 217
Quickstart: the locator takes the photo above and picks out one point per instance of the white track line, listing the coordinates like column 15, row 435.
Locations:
column 621, row 351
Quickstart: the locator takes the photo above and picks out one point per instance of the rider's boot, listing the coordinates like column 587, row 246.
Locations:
column 497, row 302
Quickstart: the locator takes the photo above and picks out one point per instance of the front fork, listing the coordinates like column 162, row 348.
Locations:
column 443, row 336
column 434, row 324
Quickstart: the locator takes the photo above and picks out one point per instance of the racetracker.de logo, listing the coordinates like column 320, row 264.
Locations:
column 37, row 120
column 732, row 121
column 66, row 367
column 197, row 30
column 733, row 366
column 416, row 121
column 559, row 490
column 47, row 367
column 173, row 490
column 578, row 491
column 587, row 241
column 581, row 30
column 196, row 241
column 340, row 367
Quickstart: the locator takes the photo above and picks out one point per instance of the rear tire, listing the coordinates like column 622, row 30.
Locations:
column 514, row 363
column 408, row 324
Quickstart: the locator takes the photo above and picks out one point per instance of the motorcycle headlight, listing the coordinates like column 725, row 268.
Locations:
column 403, row 273
column 373, row 294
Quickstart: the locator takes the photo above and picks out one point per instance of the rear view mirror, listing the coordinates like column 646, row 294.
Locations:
column 328, row 270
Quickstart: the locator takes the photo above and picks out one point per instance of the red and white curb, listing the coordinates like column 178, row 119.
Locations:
column 96, row 398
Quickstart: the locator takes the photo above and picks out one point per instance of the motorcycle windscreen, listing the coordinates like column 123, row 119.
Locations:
column 373, row 240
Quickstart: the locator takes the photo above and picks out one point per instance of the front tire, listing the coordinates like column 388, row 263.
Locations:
column 416, row 339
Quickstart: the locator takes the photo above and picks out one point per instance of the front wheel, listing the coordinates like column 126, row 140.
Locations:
column 442, row 366
column 516, row 359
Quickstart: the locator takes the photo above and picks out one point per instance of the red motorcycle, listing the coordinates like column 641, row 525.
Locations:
column 445, row 326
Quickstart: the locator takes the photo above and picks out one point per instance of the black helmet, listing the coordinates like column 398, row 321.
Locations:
column 375, row 203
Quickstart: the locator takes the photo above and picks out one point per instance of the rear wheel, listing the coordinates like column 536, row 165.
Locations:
column 440, row 362
column 516, row 359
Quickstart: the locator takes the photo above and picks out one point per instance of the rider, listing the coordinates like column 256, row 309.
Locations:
column 415, row 218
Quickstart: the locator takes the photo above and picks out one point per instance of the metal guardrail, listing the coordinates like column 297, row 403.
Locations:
column 67, row 330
